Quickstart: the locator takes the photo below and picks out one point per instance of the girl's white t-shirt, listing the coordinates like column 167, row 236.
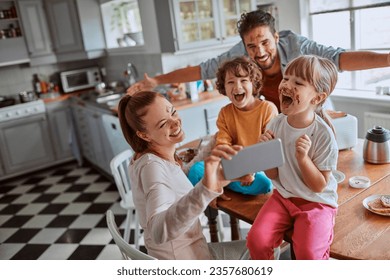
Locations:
column 323, row 152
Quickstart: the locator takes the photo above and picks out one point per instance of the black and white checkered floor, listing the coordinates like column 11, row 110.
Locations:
column 59, row 214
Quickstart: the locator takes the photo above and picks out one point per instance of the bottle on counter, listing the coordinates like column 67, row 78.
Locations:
column 44, row 86
column 37, row 84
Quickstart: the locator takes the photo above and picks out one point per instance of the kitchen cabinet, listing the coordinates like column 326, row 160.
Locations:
column 91, row 135
column 76, row 29
column 185, row 24
column 1, row 169
column 197, row 120
column 25, row 145
column 12, row 45
column 36, row 32
column 61, row 130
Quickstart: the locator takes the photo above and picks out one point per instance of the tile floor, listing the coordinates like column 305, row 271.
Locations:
column 59, row 213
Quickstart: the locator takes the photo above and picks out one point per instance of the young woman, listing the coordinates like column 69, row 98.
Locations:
column 168, row 205
column 304, row 197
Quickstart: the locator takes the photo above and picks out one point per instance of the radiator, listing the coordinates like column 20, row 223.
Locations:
column 372, row 119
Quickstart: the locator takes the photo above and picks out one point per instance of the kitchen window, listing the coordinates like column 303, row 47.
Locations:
column 353, row 25
column 122, row 23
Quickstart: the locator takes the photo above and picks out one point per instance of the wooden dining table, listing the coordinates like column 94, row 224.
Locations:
column 358, row 233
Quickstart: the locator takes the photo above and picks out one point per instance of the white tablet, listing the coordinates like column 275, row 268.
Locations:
column 254, row 158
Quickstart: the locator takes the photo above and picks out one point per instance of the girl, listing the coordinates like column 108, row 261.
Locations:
column 304, row 198
column 167, row 204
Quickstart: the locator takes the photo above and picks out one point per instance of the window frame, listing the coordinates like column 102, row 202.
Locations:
column 307, row 24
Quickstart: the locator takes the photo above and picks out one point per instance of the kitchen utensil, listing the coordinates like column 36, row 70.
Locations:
column 376, row 148
column 27, row 96
column 346, row 127
column 131, row 73
column 6, row 101
column 100, row 88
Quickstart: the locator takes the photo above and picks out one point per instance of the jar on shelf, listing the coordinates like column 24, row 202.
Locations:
column 12, row 12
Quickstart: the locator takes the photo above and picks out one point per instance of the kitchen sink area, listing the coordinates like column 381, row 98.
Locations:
column 108, row 100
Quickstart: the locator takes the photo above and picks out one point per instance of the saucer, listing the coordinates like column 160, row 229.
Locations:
column 338, row 175
column 359, row 182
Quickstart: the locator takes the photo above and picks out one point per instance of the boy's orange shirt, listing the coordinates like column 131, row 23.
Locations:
column 237, row 127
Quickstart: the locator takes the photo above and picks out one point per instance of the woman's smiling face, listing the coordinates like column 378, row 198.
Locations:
column 240, row 91
column 163, row 124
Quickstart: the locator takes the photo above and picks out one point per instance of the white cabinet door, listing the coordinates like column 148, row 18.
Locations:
column 92, row 137
column 76, row 29
column 193, row 123
column 36, row 32
column 64, row 24
column 59, row 116
column 26, row 144
column 98, row 140
column 199, row 121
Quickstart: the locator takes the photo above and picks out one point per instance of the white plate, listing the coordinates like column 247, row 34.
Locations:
column 338, row 175
column 359, row 182
column 371, row 198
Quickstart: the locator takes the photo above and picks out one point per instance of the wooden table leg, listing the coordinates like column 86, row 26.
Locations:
column 235, row 228
column 212, row 214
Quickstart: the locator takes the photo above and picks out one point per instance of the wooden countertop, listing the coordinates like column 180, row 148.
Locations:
column 204, row 98
column 65, row 96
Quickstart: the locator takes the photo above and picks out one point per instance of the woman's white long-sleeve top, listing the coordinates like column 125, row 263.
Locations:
column 169, row 208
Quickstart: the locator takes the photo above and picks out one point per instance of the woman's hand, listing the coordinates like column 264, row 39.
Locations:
column 214, row 202
column 214, row 178
column 147, row 83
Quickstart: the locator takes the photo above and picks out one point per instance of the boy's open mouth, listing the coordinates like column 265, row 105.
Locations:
column 239, row 97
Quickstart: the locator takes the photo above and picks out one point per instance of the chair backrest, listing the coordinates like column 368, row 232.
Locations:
column 119, row 165
column 114, row 134
column 128, row 252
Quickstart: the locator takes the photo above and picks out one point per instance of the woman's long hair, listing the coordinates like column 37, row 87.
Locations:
column 131, row 111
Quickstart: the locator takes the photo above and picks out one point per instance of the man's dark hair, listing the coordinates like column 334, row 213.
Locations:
column 253, row 19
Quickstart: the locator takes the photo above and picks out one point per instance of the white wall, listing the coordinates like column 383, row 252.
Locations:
column 287, row 14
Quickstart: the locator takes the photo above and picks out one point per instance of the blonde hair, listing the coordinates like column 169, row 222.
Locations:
column 320, row 72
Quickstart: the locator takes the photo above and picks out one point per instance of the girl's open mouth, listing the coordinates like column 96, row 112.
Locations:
column 287, row 96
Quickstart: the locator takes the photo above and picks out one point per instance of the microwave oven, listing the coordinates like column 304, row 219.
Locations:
column 80, row 79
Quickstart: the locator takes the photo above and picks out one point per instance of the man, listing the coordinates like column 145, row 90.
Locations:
column 271, row 51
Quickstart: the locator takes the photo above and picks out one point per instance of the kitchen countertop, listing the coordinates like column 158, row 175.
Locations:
column 204, row 98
